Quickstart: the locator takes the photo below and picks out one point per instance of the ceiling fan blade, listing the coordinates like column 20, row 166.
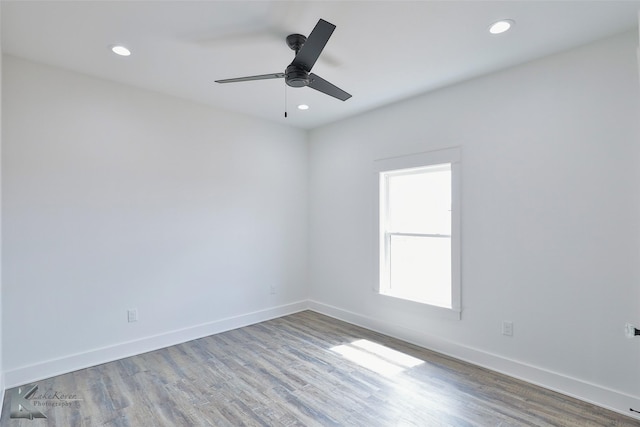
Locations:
column 250, row 78
column 310, row 51
column 321, row 85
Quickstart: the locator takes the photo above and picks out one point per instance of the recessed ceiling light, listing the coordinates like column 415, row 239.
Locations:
column 501, row 26
column 303, row 107
column 120, row 50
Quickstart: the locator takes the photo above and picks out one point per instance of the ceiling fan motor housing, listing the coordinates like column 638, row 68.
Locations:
column 296, row 76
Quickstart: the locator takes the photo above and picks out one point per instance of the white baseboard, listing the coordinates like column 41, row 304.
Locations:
column 592, row 393
column 74, row 362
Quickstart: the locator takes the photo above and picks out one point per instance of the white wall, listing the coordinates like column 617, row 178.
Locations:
column 118, row 198
column 550, row 219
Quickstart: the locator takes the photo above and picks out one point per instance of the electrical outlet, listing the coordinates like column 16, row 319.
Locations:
column 272, row 290
column 507, row 328
column 132, row 315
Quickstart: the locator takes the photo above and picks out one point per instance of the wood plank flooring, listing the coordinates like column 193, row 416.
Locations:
column 305, row 369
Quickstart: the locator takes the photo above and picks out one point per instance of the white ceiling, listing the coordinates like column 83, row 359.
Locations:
column 380, row 52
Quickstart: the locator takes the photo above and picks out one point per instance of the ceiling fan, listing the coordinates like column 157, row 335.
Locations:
column 298, row 73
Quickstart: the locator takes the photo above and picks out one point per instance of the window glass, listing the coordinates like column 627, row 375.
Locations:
column 420, row 201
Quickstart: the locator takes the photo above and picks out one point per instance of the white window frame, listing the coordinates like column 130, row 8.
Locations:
column 405, row 164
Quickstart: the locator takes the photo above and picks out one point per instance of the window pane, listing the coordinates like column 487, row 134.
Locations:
column 421, row 269
column 420, row 202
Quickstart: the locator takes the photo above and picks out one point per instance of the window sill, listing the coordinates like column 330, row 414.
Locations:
column 428, row 309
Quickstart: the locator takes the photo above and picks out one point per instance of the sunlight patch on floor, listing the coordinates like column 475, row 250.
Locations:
column 376, row 357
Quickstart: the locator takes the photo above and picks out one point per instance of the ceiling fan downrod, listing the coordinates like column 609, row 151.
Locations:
column 295, row 42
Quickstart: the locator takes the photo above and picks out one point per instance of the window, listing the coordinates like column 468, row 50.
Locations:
column 418, row 228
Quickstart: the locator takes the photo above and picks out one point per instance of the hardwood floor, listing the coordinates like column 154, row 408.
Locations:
column 301, row 370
